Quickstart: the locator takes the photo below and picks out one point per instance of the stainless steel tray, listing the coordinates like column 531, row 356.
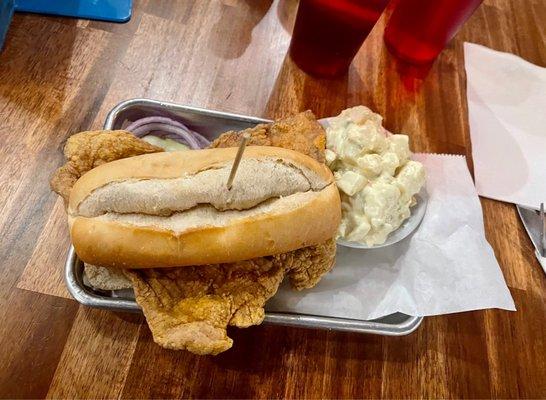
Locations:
column 212, row 123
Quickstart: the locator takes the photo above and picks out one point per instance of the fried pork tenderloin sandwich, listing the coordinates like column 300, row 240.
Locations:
column 190, row 307
column 199, row 256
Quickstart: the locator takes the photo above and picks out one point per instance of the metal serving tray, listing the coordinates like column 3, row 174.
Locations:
column 211, row 124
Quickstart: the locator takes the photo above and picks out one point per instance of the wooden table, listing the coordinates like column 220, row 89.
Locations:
column 59, row 76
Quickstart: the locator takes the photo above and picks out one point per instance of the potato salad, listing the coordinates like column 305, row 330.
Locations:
column 374, row 174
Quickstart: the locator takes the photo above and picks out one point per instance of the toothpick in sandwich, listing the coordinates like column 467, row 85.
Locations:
column 244, row 140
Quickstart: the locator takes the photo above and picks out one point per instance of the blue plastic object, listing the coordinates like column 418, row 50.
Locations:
column 6, row 12
column 104, row 10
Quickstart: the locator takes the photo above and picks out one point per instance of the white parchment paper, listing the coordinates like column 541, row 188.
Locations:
column 507, row 116
column 445, row 266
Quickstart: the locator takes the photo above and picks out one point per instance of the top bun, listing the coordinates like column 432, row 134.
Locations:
column 173, row 209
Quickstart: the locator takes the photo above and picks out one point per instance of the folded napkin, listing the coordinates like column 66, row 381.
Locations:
column 507, row 114
column 445, row 266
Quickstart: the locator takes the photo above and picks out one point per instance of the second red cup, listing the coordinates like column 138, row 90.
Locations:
column 418, row 30
column 328, row 33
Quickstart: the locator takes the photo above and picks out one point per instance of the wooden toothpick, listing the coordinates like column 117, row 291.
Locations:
column 244, row 140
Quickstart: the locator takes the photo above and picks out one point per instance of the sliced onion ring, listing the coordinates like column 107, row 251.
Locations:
column 166, row 127
column 187, row 137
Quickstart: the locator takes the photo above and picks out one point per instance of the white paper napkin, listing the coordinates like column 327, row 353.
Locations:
column 446, row 266
column 507, row 114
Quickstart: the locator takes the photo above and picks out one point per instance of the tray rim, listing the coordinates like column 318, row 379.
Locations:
column 111, row 117
column 88, row 298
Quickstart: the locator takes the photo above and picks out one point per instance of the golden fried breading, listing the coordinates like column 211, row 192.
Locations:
column 87, row 150
column 190, row 307
column 300, row 132
column 306, row 266
column 106, row 278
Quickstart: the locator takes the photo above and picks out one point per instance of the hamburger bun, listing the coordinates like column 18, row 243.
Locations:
column 173, row 209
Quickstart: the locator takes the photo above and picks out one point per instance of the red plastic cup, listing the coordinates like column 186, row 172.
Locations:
column 328, row 33
column 418, row 30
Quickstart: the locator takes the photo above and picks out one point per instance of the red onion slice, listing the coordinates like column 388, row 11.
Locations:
column 187, row 137
column 166, row 127
column 200, row 138
column 149, row 120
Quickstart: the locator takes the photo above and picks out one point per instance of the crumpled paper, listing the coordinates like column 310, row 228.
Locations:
column 445, row 266
column 507, row 116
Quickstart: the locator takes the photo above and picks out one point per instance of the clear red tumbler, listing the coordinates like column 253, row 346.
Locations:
column 418, row 30
column 328, row 33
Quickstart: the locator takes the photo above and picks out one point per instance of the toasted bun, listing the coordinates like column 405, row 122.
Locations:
column 173, row 209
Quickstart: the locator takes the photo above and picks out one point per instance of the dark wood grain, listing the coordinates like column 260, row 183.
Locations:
column 33, row 334
column 59, row 76
column 112, row 338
